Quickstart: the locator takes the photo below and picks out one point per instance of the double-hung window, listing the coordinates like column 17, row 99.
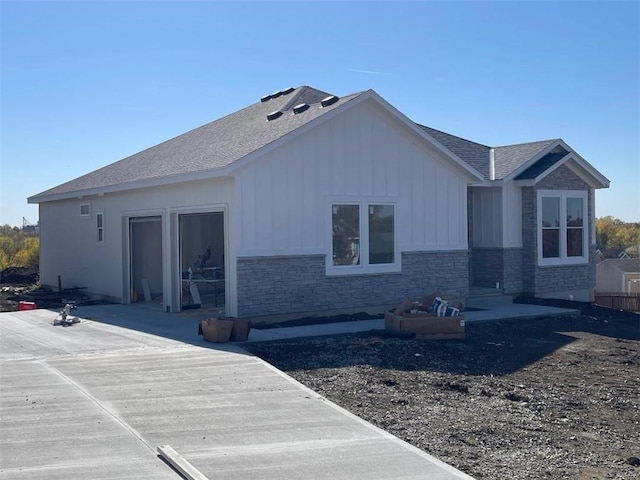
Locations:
column 100, row 227
column 363, row 238
column 562, row 227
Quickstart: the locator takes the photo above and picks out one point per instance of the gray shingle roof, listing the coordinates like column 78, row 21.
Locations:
column 475, row 154
column 626, row 265
column 510, row 157
column 507, row 159
column 212, row 146
column 222, row 142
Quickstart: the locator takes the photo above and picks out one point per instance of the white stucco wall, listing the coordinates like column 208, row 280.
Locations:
column 68, row 241
column 285, row 197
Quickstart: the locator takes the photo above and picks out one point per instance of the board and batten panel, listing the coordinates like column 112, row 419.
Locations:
column 284, row 195
column 69, row 246
column 512, row 201
column 486, row 216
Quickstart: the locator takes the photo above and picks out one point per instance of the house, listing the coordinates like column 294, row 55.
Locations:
column 618, row 275
column 307, row 202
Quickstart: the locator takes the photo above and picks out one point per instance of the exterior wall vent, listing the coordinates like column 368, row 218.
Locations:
column 329, row 101
column 300, row 108
column 266, row 98
column 274, row 115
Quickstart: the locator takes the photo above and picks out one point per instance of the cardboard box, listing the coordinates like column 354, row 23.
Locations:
column 427, row 326
column 216, row 330
column 240, row 330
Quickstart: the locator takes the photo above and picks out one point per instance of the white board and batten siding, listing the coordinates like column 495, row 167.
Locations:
column 512, row 223
column 284, row 197
column 99, row 266
column 496, row 216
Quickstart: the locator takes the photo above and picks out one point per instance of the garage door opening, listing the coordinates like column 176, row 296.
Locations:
column 145, row 236
column 202, row 260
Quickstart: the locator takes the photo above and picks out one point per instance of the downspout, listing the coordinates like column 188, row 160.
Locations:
column 492, row 164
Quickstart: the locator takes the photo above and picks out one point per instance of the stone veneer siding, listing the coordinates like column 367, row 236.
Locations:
column 512, row 281
column 547, row 280
column 504, row 265
column 299, row 284
column 487, row 267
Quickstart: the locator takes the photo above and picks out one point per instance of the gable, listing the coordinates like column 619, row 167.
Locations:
column 554, row 157
column 562, row 178
column 363, row 154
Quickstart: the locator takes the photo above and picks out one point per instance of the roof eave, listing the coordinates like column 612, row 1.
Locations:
column 124, row 187
column 581, row 167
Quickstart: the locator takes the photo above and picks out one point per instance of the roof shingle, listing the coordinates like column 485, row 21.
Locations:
column 212, row 146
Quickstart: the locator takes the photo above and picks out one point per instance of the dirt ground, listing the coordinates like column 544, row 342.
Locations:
column 15, row 281
column 552, row 398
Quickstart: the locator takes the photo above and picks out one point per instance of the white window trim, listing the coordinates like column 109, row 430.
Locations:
column 563, row 259
column 100, row 213
column 85, row 215
column 364, row 267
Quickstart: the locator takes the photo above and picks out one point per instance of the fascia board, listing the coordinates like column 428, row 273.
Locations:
column 580, row 167
column 590, row 169
column 489, row 183
column 600, row 180
column 124, row 187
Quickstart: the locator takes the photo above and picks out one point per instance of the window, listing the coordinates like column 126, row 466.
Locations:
column 346, row 234
column 85, row 210
column 381, row 244
column 100, row 227
column 562, row 236
column 363, row 238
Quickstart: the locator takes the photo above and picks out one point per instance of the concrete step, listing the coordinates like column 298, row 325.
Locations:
column 486, row 298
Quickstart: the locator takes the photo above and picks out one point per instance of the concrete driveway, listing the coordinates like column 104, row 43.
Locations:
column 96, row 399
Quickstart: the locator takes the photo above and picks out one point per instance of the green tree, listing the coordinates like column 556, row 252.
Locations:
column 18, row 247
column 612, row 233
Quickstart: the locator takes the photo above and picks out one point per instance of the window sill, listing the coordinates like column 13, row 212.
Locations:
column 350, row 271
column 562, row 262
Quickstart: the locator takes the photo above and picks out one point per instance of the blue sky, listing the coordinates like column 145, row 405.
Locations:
column 84, row 84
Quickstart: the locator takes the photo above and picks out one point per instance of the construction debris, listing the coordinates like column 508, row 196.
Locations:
column 431, row 318
column 64, row 318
